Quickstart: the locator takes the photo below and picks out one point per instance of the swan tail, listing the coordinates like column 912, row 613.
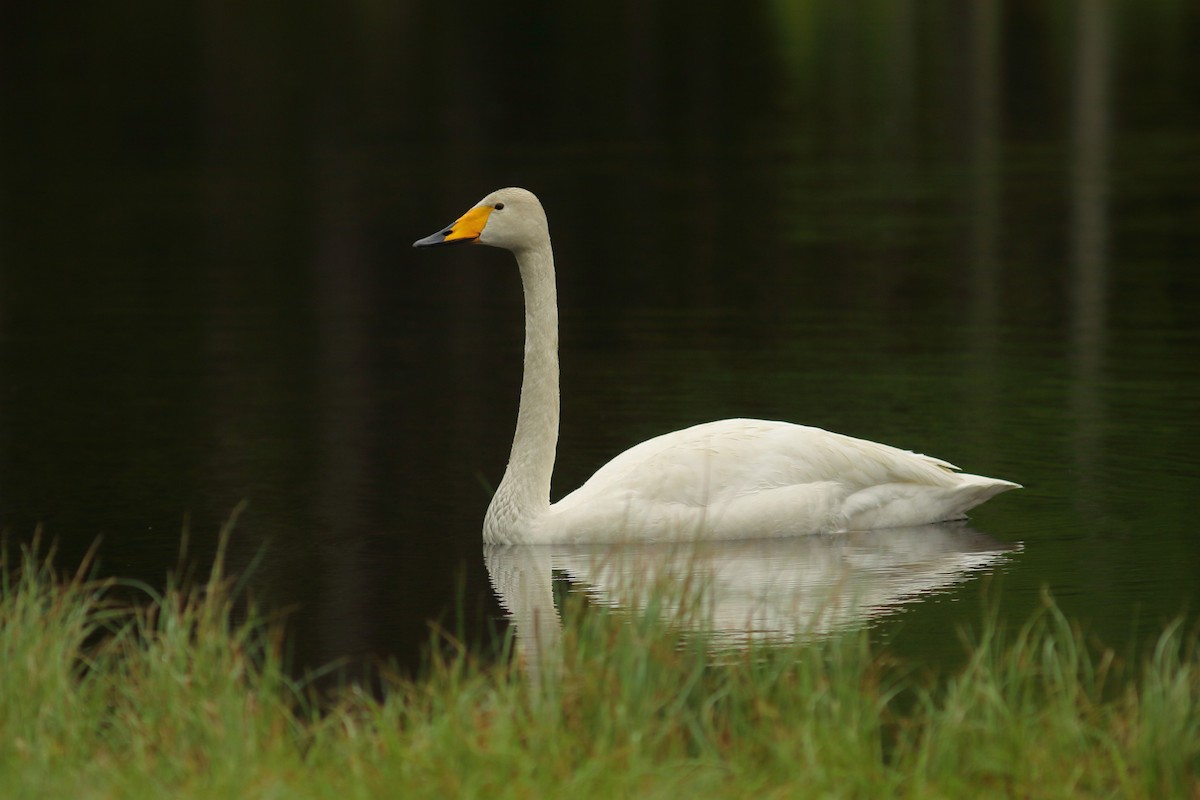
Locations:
column 974, row 490
column 892, row 505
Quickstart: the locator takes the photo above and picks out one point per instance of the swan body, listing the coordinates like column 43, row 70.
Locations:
column 730, row 479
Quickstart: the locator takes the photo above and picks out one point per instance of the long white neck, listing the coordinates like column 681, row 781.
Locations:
column 524, row 492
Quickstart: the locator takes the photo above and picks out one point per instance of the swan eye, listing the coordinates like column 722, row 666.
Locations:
column 498, row 207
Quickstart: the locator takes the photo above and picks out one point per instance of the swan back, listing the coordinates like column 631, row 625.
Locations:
column 749, row 478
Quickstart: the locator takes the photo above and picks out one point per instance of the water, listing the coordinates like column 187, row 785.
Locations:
column 971, row 232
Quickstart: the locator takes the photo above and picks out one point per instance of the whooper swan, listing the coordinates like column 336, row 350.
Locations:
column 730, row 479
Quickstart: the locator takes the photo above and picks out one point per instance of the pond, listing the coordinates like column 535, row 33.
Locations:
column 970, row 231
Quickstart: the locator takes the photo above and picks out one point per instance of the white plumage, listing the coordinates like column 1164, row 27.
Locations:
column 731, row 479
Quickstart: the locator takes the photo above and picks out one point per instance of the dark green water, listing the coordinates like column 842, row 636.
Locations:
column 971, row 230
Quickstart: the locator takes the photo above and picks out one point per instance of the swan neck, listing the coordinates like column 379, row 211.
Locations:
column 524, row 492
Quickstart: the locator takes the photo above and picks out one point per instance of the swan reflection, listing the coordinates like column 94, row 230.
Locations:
column 769, row 590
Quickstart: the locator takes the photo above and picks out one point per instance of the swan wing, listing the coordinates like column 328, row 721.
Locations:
column 747, row 478
column 731, row 458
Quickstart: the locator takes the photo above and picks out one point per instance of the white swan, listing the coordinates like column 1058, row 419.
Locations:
column 731, row 479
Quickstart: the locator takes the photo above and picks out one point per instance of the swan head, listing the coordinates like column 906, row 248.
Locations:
column 510, row 218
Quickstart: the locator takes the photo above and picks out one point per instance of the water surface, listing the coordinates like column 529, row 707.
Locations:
column 971, row 232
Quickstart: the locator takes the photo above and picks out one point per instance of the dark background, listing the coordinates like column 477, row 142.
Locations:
column 969, row 229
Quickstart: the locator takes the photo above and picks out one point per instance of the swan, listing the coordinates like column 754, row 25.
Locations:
column 729, row 479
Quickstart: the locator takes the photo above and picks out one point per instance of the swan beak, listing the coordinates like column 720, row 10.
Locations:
column 466, row 228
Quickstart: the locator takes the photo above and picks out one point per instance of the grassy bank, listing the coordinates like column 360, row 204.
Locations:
column 181, row 699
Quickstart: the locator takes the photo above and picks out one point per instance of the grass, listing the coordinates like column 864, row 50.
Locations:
column 184, row 696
